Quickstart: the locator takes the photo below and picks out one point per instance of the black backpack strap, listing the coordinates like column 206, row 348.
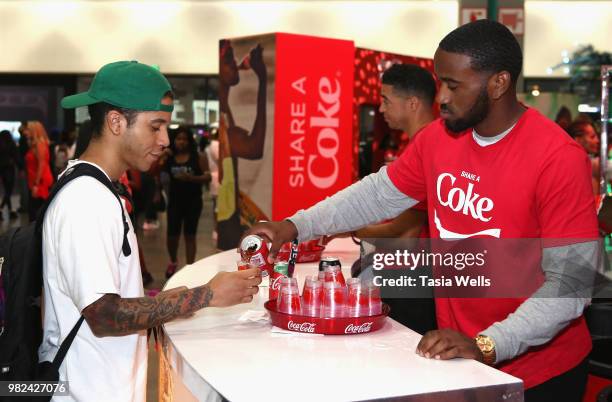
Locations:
column 85, row 169
column 61, row 353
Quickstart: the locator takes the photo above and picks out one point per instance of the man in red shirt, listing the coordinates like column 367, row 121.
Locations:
column 408, row 93
column 490, row 168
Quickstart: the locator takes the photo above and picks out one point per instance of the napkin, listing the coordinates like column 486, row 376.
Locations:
column 254, row 315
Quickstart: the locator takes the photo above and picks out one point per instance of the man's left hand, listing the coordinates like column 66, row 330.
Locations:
column 447, row 344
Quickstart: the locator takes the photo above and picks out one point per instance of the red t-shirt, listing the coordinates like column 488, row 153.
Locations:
column 46, row 177
column 421, row 206
column 533, row 183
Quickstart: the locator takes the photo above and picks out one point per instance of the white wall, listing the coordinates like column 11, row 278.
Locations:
column 181, row 36
column 554, row 26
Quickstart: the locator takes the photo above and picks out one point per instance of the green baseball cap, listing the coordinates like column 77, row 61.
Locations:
column 125, row 84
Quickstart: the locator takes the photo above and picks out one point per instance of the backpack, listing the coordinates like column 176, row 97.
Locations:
column 21, row 283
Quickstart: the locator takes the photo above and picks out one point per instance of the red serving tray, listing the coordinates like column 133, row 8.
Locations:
column 326, row 326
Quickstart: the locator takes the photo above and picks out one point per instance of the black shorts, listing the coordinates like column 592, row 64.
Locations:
column 184, row 212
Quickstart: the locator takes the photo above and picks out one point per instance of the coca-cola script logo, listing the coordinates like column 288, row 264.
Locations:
column 467, row 202
column 328, row 140
column 276, row 282
column 303, row 327
column 358, row 329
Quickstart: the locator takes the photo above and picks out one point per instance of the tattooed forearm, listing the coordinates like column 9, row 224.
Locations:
column 112, row 315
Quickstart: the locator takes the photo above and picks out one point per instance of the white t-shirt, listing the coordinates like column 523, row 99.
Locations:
column 83, row 260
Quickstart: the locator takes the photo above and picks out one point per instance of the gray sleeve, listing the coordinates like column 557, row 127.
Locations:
column 370, row 200
column 566, row 291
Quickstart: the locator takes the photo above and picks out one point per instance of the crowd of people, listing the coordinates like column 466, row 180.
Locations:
column 587, row 133
column 28, row 163
column 174, row 184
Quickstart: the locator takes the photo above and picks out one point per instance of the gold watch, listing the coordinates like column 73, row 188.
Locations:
column 487, row 347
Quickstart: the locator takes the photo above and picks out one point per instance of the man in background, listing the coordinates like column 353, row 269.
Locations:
column 408, row 93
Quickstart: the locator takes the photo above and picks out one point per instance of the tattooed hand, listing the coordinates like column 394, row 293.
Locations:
column 230, row 288
column 112, row 315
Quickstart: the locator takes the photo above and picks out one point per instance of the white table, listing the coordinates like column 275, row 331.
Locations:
column 213, row 355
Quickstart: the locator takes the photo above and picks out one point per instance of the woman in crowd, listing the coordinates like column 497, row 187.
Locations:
column 188, row 171
column 38, row 169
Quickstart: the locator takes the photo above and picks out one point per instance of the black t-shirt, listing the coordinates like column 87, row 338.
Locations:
column 180, row 189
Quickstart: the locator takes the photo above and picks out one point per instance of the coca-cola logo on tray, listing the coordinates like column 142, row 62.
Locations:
column 308, row 327
column 358, row 329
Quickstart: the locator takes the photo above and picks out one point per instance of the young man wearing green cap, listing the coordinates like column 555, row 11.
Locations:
column 85, row 269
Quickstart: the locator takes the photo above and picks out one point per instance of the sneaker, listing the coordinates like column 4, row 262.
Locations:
column 171, row 269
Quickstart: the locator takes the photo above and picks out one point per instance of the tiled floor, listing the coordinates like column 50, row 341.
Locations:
column 153, row 243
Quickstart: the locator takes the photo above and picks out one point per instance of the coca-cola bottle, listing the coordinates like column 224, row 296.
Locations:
column 281, row 270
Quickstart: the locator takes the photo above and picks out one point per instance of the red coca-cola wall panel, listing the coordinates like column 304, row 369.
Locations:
column 369, row 65
column 313, row 137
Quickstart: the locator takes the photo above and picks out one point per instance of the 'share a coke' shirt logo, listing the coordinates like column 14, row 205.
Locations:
column 463, row 200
